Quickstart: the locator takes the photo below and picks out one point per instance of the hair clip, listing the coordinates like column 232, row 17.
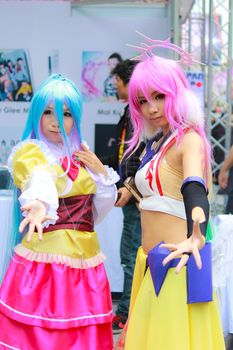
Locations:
column 147, row 50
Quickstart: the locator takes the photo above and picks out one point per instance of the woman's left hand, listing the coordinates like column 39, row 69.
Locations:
column 89, row 159
column 192, row 245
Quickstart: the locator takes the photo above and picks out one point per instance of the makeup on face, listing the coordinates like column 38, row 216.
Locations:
column 50, row 126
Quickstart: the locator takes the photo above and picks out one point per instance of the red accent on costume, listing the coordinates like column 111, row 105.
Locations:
column 149, row 174
column 74, row 213
column 74, row 166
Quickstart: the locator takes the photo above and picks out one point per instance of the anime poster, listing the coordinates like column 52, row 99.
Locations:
column 98, row 83
column 15, row 94
column 15, row 79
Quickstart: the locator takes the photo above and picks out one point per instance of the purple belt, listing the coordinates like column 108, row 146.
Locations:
column 199, row 282
column 74, row 213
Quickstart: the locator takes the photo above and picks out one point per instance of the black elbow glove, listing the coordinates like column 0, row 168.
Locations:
column 195, row 195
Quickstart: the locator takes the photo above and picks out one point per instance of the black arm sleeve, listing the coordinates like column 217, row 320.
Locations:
column 195, row 195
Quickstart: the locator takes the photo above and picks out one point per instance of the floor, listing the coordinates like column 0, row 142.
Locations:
column 228, row 339
column 229, row 342
column 115, row 336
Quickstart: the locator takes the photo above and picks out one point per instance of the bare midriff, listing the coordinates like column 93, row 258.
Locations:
column 158, row 227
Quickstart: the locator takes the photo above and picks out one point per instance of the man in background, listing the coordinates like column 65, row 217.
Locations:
column 127, row 167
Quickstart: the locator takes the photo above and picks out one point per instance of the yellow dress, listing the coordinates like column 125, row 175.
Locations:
column 55, row 292
column 166, row 321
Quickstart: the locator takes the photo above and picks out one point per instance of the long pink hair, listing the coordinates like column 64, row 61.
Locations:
column 182, row 107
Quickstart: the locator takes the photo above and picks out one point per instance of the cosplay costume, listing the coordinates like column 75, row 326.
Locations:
column 169, row 311
column 55, row 293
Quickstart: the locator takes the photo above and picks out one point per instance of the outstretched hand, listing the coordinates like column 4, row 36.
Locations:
column 35, row 216
column 191, row 245
column 89, row 159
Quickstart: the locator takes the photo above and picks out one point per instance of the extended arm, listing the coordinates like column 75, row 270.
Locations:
column 195, row 200
column 31, row 167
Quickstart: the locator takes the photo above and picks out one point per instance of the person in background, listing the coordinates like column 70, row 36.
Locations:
column 126, row 166
column 110, row 89
column 225, row 176
column 24, row 93
column 21, row 73
column 55, row 293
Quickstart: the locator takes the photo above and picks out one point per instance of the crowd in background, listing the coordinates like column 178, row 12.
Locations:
column 15, row 82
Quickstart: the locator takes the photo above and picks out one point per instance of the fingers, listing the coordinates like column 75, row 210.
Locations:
column 85, row 147
column 183, row 261
column 83, row 151
column 171, row 256
column 30, row 232
column 169, row 246
column 32, row 226
column 23, row 224
column 125, row 196
column 32, row 229
column 223, row 185
column 40, row 231
column 87, row 158
column 223, row 179
column 121, row 202
column 197, row 258
column 46, row 217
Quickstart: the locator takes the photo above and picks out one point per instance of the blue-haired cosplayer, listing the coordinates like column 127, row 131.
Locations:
column 55, row 292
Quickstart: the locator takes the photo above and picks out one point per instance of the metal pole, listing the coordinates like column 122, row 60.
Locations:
column 203, row 40
column 210, row 71
column 229, row 79
column 176, row 23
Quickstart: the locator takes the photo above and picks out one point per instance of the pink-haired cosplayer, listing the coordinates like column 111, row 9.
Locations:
column 172, row 302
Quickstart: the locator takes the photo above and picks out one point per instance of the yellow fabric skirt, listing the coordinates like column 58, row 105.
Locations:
column 166, row 321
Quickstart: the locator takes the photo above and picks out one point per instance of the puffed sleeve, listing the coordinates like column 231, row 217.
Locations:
column 31, row 165
column 106, row 193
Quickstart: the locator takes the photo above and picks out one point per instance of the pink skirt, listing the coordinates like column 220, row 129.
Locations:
column 45, row 305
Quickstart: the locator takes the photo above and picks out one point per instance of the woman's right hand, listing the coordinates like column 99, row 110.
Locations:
column 89, row 159
column 184, row 249
column 35, row 216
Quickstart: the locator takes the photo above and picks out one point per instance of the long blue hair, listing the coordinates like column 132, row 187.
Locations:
column 56, row 91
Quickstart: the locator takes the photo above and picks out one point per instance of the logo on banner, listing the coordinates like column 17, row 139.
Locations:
column 196, row 81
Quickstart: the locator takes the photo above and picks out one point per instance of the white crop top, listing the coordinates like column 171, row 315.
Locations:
column 149, row 185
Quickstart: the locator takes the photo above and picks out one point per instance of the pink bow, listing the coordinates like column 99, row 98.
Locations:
column 74, row 166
